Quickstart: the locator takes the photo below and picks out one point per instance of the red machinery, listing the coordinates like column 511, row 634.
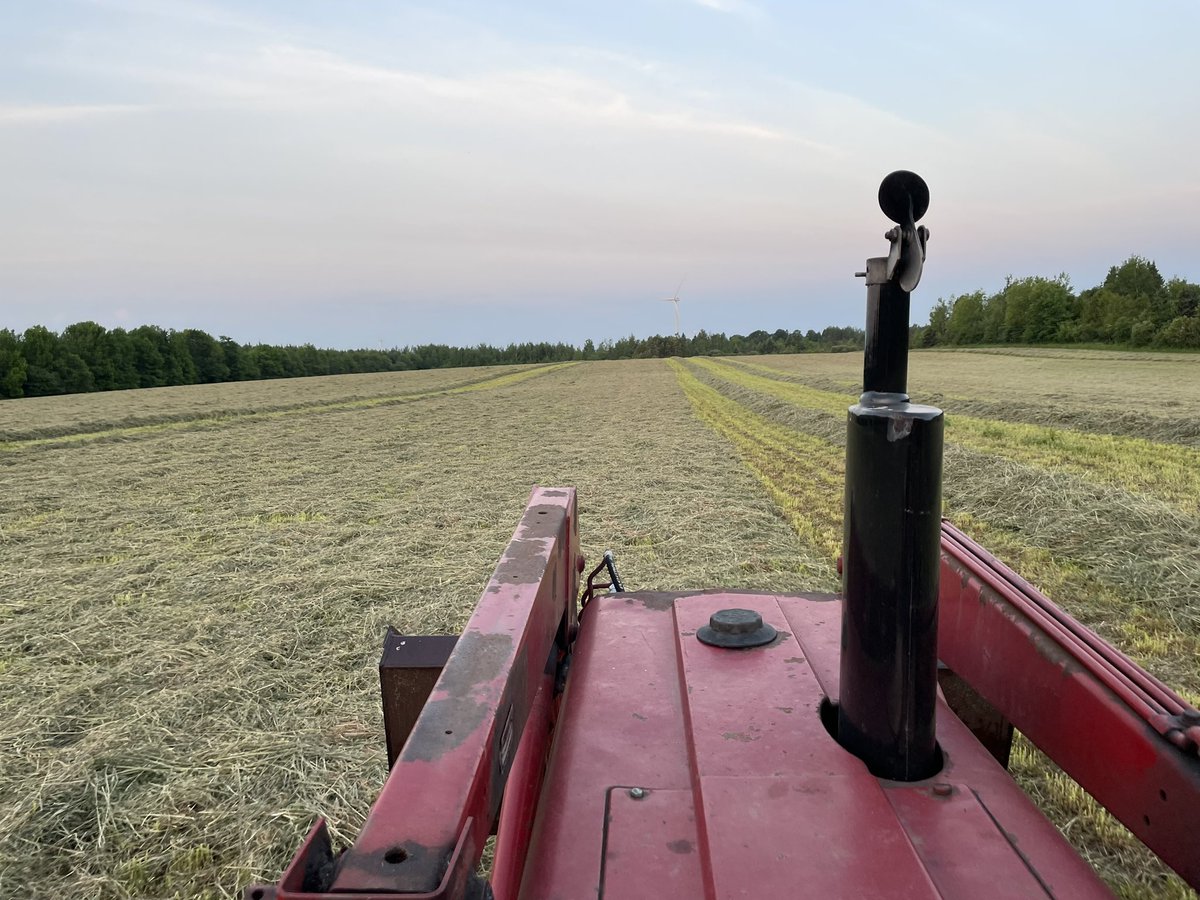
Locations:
column 730, row 744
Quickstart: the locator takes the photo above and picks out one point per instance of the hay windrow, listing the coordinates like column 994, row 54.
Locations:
column 1166, row 471
column 1148, row 395
column 138, row 428
column 34, row 417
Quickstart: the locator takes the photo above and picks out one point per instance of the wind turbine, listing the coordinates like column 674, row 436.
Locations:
column 675, row 300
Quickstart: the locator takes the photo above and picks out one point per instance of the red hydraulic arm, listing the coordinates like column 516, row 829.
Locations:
column 1128, row 739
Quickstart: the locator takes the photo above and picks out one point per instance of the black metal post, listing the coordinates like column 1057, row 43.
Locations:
column 892, row 539
column 885, row 360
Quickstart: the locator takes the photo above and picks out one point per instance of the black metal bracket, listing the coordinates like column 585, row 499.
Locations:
column 408, row 669
column 614, row 585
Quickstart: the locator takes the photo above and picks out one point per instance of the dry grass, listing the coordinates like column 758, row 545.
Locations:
column 1149, row 395
column 191, row 618
column 1163, row 470
column 46, row 417
column 192, row 597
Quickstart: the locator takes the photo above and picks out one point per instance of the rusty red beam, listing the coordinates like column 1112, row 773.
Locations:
column 426, row 831
column 1117, row 731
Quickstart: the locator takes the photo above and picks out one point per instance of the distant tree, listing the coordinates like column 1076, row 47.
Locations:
column 1139, row 280
column 39, row 346
column 270, row 362
column 13, row 366
column 966, row 320
column 939, row 323
column 90, row 343
column 1036, row 308
column 1183, row 331
column 207, row 356
column 994, row 311
column 124, row 360
column 1184, row 297
column 148, row 344
column 74, row 374
column 1136, row 277
column 177, row 360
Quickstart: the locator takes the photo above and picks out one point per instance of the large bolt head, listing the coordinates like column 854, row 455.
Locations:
column 736, row 629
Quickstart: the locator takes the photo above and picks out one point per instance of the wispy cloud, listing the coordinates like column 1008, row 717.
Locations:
column 733, row 7
column 287, row 78
column 51, row 114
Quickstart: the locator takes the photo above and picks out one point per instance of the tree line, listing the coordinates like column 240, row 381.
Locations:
column 89, row 357
column 1134, row 306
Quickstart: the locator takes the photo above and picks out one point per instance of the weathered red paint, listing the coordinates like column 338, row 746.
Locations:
column 426, row 832
column 1098, row 715
column 740, row 775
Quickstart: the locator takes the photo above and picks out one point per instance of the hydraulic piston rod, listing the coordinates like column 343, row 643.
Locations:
column 892, row 524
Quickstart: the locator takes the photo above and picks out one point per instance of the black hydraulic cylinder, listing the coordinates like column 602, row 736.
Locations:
column 891, row 548
column 891, row 558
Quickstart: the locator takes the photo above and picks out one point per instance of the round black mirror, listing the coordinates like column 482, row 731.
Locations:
column 895, row 193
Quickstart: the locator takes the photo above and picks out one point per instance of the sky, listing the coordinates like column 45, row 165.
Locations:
column 363, row 173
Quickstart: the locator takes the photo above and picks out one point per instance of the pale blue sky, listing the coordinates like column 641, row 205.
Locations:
column 366, row 171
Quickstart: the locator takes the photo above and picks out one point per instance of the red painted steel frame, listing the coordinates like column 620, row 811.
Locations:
column 424, row 836
column 1126, row 738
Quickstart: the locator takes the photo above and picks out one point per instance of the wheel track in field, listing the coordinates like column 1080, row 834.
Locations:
column 804, row 475
column 209, row 420
column 1169, row 472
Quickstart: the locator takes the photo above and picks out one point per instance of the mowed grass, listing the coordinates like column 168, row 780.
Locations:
column 39, row 421
column 1149, row 395
column 193, row 593
column 190, row 619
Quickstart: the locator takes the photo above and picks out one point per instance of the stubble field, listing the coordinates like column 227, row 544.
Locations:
column 194, row 581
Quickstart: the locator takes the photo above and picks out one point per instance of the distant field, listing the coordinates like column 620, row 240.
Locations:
column 194, row 581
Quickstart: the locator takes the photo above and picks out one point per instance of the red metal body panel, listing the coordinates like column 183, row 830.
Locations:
column 1124, row 736
column 751, row 795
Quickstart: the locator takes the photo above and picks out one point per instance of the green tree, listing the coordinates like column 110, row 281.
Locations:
column 1139, row 280
column 74, row 374
column 237, row 360
column 1136, row 277
column 939, row 323
column 124, row 362
column 89, row 342
column 1036, row 308
column 207, row 355
column 994, row 309
column 1184, row 297
column 178, row 362
column 13, row 366
column 1183, row 331
column 148, row 343
column 966, row 320
column 39, row 346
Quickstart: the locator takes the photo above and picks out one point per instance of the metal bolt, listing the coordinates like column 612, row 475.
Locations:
column 941, row 789
column 735, row 629
column 637, row 793
column 735, row 621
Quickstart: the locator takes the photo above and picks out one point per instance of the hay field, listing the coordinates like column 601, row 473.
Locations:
column 193, row 587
